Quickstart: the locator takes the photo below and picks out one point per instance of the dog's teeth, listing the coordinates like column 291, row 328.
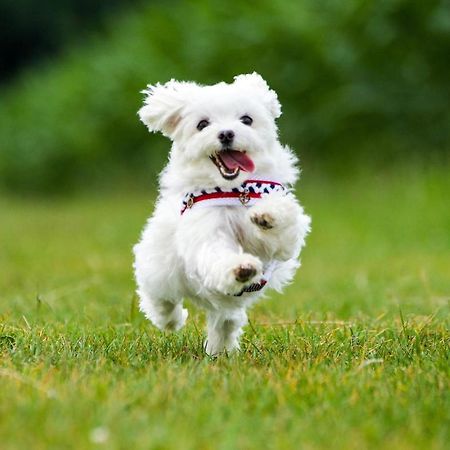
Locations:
column 227, row 174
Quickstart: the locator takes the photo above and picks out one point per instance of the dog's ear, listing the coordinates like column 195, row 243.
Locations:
column 163, row 106
column 269, row 97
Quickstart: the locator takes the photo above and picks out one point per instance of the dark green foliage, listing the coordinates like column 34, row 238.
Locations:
column 360, row 81
column 31, row 30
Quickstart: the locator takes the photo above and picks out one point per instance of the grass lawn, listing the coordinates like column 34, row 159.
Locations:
column 354, row 354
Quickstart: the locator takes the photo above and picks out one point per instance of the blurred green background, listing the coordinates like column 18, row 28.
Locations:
column 363, row 83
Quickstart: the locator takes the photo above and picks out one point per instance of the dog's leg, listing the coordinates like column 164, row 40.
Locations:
column 164, row 314
column 228, row 271
column 224, row 330
column 159, row 299
column 213, row 257
column 280, row 225
column 158, row 277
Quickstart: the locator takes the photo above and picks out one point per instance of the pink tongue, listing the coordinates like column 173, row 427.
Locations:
column 233, row 159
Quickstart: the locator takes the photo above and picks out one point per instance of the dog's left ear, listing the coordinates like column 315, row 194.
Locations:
column 268, row 96
column 163, row 105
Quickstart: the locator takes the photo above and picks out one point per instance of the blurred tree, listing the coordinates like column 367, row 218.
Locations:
column 361, row 81
column 31, row 30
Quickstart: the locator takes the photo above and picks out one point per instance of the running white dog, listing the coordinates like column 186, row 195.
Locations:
column 226, row 225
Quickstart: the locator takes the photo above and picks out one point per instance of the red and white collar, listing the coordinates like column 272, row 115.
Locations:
column 244, row 195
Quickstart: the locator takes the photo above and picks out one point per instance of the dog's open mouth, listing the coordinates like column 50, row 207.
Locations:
column 231, row 162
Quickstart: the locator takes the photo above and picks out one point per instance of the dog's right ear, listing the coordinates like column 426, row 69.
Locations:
column 256, row 83
column 163, row 105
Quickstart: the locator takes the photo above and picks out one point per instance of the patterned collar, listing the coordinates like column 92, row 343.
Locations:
column 246, row 194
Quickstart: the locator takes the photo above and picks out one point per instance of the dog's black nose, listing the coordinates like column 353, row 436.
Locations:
column 226, row 137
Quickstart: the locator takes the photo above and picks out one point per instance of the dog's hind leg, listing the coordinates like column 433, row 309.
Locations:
column 158, row 278
column 159, row 293
column 164, row 314
column 224, row 330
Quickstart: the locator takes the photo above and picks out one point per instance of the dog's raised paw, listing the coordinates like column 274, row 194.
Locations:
column 263, row 220
column 244, row 272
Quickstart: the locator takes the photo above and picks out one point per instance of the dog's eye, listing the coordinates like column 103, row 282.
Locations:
column 246, row 120
column 202, row 124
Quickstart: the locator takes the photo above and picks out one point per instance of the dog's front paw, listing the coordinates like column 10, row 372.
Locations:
column 244, row 273
column 243, row 269
column 279, row 225
column 275, row 211
column 264, row 220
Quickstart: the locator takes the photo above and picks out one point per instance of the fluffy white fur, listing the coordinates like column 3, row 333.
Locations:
column 196, row 255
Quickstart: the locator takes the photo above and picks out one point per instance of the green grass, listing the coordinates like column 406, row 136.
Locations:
column 354, row 355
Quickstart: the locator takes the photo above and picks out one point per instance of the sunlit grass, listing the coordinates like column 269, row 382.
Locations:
column 353, row 355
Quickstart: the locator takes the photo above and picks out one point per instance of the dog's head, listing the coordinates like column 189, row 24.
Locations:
column 221, row 132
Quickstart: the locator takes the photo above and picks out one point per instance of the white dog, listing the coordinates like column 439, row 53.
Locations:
column 226, row 225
